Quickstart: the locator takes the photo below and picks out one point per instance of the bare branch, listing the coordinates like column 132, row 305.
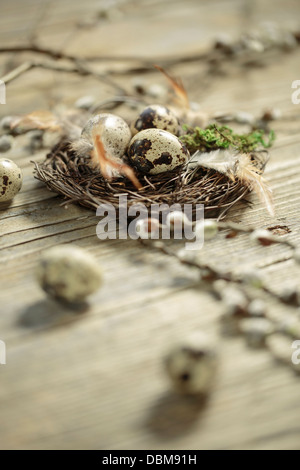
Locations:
column 79, row 68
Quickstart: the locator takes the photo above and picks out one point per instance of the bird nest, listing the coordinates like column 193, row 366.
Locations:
column 71, row 176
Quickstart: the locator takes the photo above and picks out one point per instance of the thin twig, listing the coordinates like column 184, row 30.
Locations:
column 53, row 54
column 38, row 50
column 79, row 69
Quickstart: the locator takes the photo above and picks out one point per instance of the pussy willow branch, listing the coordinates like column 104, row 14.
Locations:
column 212, row 273
column 244, row 229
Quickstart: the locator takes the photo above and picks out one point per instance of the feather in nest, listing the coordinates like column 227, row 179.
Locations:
column 236, row 166
column 69, row 126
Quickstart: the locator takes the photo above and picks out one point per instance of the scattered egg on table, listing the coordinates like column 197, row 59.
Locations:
column 113, row 131
column 68, row 273
column 158, row 117
column 155, row 151
column 192, row 365
column 10, row 179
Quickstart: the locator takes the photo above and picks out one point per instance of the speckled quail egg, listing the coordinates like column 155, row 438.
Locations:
column 192, row 365
column 113, row 130
column 10, row 180
column 155, row 151
column 156, row 116
column 68, row 273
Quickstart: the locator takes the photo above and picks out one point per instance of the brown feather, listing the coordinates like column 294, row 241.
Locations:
column 44, row 120
column 178, row 88
column 109, row 165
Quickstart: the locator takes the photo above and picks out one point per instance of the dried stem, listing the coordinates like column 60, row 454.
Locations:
column 210, row 273
column 79, row 68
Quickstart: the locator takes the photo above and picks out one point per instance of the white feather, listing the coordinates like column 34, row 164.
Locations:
column 236, row 166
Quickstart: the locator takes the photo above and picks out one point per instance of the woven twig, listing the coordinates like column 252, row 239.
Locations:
column 73, row 177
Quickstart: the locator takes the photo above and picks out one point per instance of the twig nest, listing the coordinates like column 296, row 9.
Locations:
column 155, row 151
column 113, row 130
column 10, row 180
column 158, row 117
column 68, row 273
column 192, row 365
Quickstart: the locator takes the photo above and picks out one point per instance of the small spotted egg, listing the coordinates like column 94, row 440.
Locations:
column 155, row 151
column 10, row 180
column 158, row 117
column 113, row 131
column 68, row 273
column 192, row 365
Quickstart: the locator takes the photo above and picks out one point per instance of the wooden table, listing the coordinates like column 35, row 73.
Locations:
column 95, row 380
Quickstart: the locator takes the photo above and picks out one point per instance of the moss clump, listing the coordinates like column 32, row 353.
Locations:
column 216, row 137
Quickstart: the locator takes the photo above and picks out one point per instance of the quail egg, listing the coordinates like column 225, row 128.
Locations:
column 155, row 151
column 156, row 116
column 113, row 130
column 68, row 273
column 192, row 365
column 10, row 180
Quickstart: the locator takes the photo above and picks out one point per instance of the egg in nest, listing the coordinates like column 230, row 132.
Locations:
column 113, row 130
column 154, row 151
column 158, row 117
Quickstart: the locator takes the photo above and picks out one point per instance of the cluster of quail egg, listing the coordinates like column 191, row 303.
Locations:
column 150, row 145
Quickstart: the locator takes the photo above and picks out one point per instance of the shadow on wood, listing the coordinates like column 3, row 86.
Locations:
column 48, row 313
column 174, row 414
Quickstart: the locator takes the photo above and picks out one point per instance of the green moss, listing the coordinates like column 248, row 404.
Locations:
column 216, row 137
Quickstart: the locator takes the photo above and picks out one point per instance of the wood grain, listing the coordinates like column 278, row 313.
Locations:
column 95, row 380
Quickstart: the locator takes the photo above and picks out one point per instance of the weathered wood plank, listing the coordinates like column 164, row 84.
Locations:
column 95, row 380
